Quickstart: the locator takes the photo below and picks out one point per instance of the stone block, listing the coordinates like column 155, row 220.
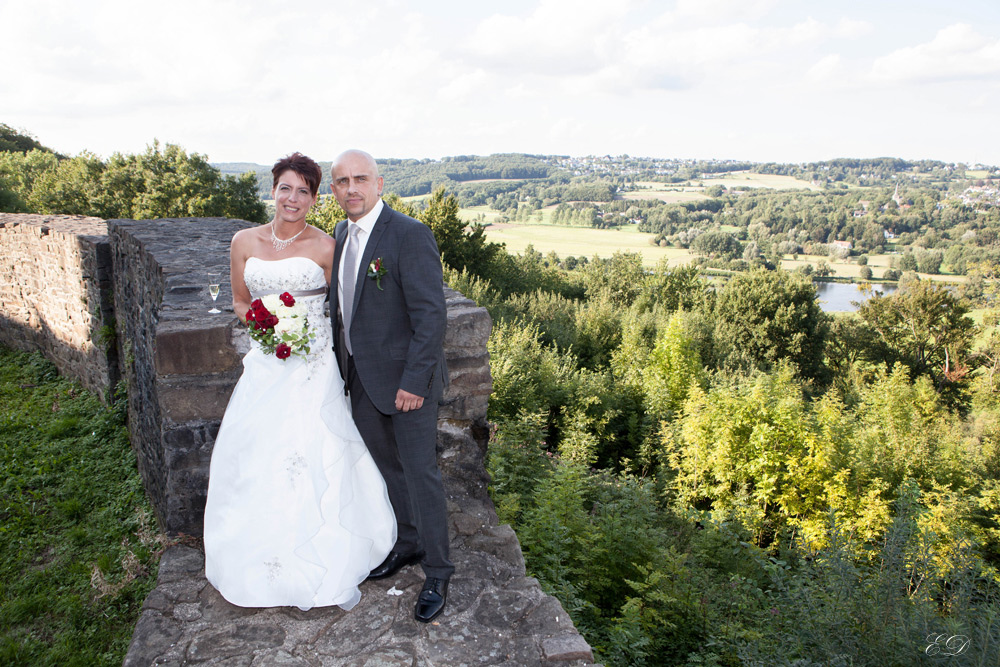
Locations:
column 279, row 659
column 547, row 619
column 195, row 351
column 385, row 657
column 186, row 398
column 180, row 562
column 152, row 631
column 235, row 641
column 566, row 648
column 502, row 608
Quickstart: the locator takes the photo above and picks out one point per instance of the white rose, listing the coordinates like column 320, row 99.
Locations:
column 286, row 325
column 271, row 302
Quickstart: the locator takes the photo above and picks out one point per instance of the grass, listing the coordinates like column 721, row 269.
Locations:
column 78, row 546
column 666, row 192
column 583, row 241
column 416, row 199
column 588, row 242
column 693, row 190
column 732, row 179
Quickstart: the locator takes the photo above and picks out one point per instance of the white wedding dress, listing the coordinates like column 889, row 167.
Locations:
column 297, row 512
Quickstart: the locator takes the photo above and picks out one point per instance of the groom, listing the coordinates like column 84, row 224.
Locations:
column 389, row 319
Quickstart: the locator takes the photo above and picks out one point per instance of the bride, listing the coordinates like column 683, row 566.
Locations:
column 297, row 513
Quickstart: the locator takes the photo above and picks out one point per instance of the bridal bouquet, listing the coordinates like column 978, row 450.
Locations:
column 280, row 325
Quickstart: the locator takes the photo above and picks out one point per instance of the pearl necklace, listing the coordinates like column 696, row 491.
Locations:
column 281, row 244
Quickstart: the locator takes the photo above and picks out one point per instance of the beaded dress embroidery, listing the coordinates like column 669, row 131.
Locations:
column 294, row 273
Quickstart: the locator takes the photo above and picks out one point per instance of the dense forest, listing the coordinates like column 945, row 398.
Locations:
column 719, row 473
column 730, row 476
column 935, row 216
column 162, row 182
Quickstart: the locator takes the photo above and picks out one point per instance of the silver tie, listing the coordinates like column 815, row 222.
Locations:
column 350, row 261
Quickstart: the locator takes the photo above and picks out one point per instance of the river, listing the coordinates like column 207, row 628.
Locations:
column 837, row 297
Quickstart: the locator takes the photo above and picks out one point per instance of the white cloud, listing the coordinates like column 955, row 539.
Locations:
column 724, row 11
column 848, row 28
column 957, row 52
column 826, row 69
column 249, row 79
column 566, row 129
column 466, row 86
column 560, row 37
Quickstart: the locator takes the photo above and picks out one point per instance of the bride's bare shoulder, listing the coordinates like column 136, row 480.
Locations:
column 248, row 235
column 322, row 239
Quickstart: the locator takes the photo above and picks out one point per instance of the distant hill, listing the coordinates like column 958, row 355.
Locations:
column 462, row 174
column 16, row 141
column 239, row 168
column 409, row 177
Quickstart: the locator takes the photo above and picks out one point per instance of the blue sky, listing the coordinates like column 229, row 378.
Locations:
column 759, row 80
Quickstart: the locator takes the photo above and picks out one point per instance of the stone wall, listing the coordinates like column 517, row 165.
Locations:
column 69, row 282
column 181, row 362
column 55, row 294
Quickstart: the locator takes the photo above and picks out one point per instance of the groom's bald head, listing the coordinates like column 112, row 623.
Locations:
column 355, row 183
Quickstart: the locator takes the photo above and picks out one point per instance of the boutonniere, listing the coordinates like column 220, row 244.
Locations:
column 376, row 270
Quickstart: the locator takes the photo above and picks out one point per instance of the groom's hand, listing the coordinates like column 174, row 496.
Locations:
column 405, row 401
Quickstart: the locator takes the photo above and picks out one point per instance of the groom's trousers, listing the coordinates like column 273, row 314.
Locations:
column 404, row 447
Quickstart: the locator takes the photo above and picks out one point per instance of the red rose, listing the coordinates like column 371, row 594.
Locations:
column 283, row 351
column 256, row 304
column 270, row 321
column 250, row 316
column 287, row 299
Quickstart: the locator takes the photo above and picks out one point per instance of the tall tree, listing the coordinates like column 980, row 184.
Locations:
column 924, row 326
column 763, row 317
column 461, row 246
column 71, row 187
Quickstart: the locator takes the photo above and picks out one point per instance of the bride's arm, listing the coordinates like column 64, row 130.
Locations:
column 325, row 246
column 238, row 252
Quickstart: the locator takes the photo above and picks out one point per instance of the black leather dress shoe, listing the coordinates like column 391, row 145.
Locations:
column 393, row 563
column 430, row 602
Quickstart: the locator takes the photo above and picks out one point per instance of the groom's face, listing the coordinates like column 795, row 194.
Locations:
column 356, row 185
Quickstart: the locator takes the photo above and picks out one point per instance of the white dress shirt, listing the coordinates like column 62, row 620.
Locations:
column 366, row 224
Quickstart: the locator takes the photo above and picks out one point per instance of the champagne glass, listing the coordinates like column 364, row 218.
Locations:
column 213, row 289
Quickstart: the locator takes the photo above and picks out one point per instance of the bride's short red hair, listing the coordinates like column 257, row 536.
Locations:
column 304, row 166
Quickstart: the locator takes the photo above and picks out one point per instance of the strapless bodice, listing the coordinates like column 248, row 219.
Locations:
column 291, row 274
column 273, row 276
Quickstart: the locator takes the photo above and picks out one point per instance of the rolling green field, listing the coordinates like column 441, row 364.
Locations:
column 693, row 190
column 582, row 241
column 749, row 179
column 671, row 194
column 586, row 242
column 483, row 213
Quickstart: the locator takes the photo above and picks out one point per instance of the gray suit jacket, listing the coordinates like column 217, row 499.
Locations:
column 397, row 332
